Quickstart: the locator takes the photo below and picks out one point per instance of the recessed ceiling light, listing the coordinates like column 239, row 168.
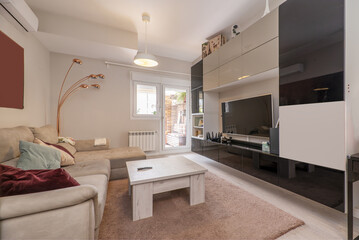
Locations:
column 266, row 10
column 243, row 77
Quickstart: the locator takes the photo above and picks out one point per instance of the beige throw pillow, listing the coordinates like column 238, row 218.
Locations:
column 46, row 134
column 66, row 157
column 68, row 147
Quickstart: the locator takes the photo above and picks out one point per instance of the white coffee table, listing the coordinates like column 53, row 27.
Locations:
column 167, row 174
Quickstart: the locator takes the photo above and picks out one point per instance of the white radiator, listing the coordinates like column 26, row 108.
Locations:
column 146, row 140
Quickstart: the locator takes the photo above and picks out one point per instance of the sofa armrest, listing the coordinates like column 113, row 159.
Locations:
column 89, row 145
column 21, row 205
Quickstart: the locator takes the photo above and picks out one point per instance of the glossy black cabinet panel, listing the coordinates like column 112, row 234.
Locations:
column 328, row 88
column 197, row 75
column 230, row 156
column 260, row 166
column 197, row 100
column 210, row 150
column 197, row 87
column 311, row 51
column 196, row 146
column 320, row 184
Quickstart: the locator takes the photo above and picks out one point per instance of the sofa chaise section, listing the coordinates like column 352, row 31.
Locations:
column 118, row 156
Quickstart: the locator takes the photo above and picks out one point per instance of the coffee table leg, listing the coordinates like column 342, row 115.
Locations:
column 142, row 201
column 197, row 189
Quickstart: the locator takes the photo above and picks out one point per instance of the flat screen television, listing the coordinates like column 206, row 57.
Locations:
column 250, row 116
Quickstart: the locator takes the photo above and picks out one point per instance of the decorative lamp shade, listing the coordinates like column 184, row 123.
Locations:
column 145, row 60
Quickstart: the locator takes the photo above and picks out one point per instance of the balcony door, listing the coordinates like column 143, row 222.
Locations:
column 175, row 119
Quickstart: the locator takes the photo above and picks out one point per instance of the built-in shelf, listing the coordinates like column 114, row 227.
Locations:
column 205, row 106
column 197, row 125
column 200, row 138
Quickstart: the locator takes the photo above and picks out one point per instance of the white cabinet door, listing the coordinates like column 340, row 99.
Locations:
column 261, row 59
column 260, row 32
column 211, row 62
column 211, row 80
column 314, row 133
column 230, row 50
column 231, row 71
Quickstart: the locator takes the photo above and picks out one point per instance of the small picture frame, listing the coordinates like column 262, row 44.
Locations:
column 205, row 49
column 216, row 42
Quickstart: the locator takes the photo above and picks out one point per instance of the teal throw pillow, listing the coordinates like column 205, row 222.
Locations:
column 35, row 156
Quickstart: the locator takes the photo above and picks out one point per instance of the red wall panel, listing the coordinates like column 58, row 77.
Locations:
column 11, row 73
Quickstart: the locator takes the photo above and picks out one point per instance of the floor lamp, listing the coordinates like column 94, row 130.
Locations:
column 74, row 88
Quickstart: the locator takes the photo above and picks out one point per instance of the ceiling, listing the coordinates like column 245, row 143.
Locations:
column 177, row 28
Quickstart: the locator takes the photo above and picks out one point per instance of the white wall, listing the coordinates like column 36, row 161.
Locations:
column 36, row 80
column 351, row 80
column 268, row 86
column 352, row 74
column 101, row 113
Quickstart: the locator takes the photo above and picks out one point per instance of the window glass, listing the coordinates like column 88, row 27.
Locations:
column 146, row 99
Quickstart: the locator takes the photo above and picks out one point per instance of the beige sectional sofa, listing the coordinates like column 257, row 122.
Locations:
column 118, row 157
column 68, row 213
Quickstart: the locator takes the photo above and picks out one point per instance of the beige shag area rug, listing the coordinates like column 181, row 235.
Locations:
column 228, row 213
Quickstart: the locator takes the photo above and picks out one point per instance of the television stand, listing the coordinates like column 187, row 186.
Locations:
column 286, row 169
column 302, row 178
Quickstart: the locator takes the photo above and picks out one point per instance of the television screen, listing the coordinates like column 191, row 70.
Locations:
column 251, row 116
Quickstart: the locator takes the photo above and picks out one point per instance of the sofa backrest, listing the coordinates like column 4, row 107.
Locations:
column 9, row 141
column 47, row 133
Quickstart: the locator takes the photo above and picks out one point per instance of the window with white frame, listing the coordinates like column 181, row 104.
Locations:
column 146, row 100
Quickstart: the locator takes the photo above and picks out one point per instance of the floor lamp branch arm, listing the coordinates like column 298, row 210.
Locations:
column 73, row 86
column 63, row 99
column 72, row 89
column 75, row 60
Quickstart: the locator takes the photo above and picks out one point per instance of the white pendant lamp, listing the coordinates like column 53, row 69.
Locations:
column 145, row 59
column 266, row 10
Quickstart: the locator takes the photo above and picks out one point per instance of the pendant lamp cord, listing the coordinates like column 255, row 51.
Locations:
column 146, row 37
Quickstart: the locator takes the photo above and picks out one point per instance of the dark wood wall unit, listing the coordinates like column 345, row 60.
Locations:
column 12, row 73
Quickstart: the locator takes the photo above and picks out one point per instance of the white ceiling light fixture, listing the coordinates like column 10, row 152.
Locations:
column 145, row 59
column 266, row 10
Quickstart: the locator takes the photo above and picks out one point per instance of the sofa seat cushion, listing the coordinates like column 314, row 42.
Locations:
column 117, row 156
column 92, row 167
column 100, row 182
column 118, row 173
column 89, row 145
